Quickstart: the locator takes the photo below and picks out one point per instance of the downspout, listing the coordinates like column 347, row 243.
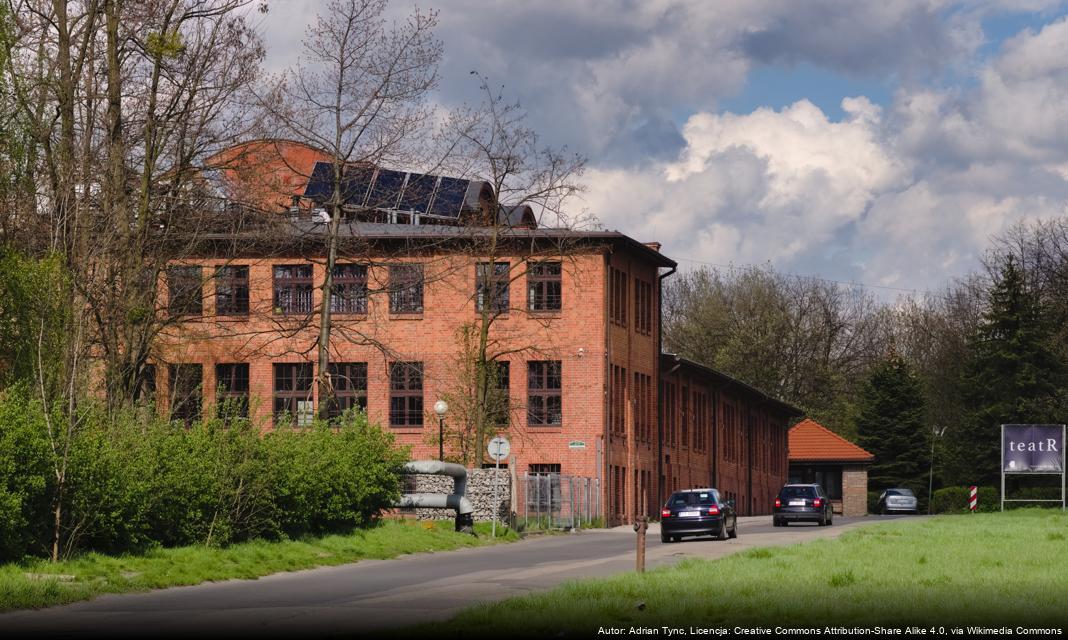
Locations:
column 606, row 489
column 659, row 351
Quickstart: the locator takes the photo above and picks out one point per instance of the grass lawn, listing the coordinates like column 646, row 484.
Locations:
column 31, row 584
column 991, row 569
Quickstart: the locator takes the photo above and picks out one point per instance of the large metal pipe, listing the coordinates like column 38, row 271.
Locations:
column 456, row 501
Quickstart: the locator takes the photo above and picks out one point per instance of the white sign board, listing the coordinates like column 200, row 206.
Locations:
column 499, row 448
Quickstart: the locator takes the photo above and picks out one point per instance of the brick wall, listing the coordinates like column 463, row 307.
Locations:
column 854, row 491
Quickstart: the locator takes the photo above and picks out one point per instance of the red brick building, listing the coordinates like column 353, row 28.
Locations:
column 579, row 327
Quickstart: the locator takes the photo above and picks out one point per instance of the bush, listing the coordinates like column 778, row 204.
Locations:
column 955, row 500
column 135, row 481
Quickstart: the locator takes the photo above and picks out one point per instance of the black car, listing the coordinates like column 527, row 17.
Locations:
column 697, row 512
column 801, row 503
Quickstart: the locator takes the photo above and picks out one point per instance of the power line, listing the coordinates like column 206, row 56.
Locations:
column 807, row 277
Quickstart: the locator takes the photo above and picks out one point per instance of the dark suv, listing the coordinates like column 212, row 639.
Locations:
column 802, row 502
column 697, row 512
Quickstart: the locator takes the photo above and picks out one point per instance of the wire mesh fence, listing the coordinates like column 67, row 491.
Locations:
column 555, row 501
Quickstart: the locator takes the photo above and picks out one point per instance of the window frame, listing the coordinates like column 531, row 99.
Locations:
column 540, row 298
column 290, row 399
column 342, row 301
column 194, row 395
column 542, row 395
column 406, row 386
column 350, row 393
column 495, row 283
column 226, row 375
column 227, row 279
column 407, row 292
column 185, row 291
column 296, row 286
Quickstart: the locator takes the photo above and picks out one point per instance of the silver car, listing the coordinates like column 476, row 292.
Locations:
column 897, row 500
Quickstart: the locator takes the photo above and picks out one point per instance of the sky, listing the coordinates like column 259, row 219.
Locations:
column 880, row 142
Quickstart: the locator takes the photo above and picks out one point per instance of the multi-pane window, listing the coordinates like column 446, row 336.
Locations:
column 406, row 288
column 500, row 407
column 618, row 405
column 643, row 307
column 667, row 401
column 544, row 393
column 491, row 287
column 184, row 291
column 350, row 387
column 293, row 289
column 684, row 416
column 544, row 286
column 232, row 394
column 618, row 297
column 231, row 290
column 293, row 393
column 349, row 291
column 701, row 426
column 185, row 389
column 406, row 394
column 642, row 406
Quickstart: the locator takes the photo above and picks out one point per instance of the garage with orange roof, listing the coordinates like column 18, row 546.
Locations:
column 819, row 455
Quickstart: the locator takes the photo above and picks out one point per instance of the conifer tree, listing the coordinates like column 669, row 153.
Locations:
column 1012, row 377
column 890, row 424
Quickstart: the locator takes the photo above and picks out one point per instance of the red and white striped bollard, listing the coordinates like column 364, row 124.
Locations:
column 973, row 498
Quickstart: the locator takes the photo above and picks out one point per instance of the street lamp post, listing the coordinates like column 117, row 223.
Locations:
column 936, row 433
column 440, row 408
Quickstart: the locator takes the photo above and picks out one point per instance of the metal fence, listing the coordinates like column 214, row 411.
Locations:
column 555, row 501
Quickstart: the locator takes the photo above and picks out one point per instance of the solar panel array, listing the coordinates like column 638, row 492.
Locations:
column 364, row 186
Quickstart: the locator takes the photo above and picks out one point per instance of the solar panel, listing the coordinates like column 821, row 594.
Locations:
column 417, row 192
column 386, row 190
column 449, row 199
column 355, row 184
column 319, row 184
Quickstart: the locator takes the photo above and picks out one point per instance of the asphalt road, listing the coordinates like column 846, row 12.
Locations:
column 380, row 594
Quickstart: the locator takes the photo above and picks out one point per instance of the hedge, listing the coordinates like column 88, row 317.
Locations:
column 136, row 481
column 955, row 500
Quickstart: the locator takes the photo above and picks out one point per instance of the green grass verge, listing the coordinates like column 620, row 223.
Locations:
column 39, row 583
column 990, row 569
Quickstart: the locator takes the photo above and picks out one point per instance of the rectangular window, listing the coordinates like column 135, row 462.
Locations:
column 618, row 294
column 643, row 307
column 350, row 387
column 500, row 407
column 406, row 288
column 406, row 394
column 293, row 289
column 185, row 388
column 184, row 291
column 544, row 286
column 231, row 290
column 293, row 394
column 544, row 393
column 491, row 287
column 618, row 405
column 232, row 395
column 684, row 416
column 349, row 291
column 670, row 417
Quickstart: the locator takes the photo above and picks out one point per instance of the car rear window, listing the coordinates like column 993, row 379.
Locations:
column 798, row 492
column 691, row 498
column 900, row 492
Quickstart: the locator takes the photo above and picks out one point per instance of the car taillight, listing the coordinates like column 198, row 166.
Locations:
column 713, row 510
column 778, row 503
column 665, row 513
column 817, row 502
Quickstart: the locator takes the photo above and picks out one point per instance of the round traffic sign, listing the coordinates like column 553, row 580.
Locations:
column 499, row 448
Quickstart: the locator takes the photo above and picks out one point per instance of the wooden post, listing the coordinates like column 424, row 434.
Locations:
column 641, row 523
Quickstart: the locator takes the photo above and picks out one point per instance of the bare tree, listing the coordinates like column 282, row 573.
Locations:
column 360, row 96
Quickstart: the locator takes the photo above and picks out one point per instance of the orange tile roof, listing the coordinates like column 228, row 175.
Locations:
column 811, row 442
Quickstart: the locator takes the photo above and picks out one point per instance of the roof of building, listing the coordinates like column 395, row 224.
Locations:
column 671, row 359
column 297, row 230
column 812, row 442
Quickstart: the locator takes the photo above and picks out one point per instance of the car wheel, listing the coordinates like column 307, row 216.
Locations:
column 722, row 531
column 823, row 520
column 830, row 519
column 734, row 529
column 665, row 539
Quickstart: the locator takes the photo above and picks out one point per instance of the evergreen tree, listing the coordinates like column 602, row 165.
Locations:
column 890, row 424
column 1012, row 376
